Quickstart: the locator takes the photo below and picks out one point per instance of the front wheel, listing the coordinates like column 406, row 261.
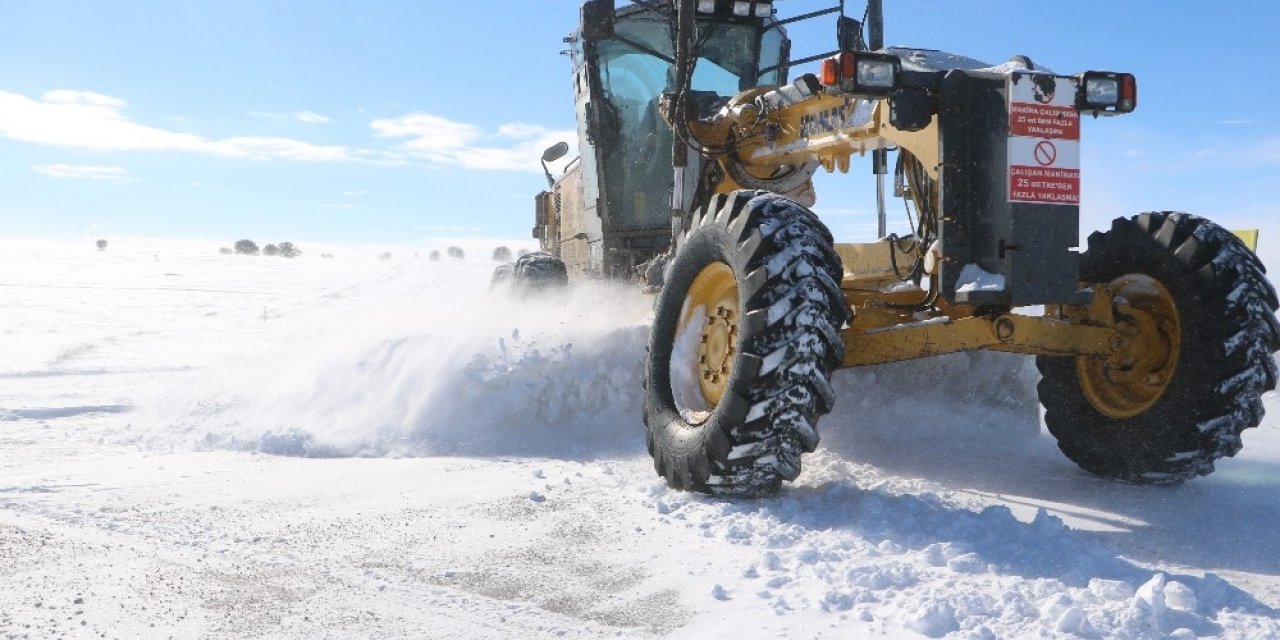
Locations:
column 744, row 340
column 1191, row 362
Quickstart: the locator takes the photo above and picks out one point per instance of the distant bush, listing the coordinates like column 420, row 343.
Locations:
column 502, row 254
column 271, row 250
column 287, row 250
column 434, row 256
column 247, row 248
column 386, row 255
column 456, row 253
column 226, row 251
column 523, row 252
column 326, row 255
column 102, row 245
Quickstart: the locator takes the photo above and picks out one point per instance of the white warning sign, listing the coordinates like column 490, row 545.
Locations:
column 1044, row 139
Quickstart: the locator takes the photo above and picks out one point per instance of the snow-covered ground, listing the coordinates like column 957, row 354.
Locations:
column 195, row 445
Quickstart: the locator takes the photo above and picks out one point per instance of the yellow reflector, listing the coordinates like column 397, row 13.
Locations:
column 1250, row 238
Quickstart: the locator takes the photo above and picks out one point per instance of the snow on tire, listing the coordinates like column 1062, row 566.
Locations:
column 1227, row 337
column 744, row 340
column 538, row 272
column 501, row 278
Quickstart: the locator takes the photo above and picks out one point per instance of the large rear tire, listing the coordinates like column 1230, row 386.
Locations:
column 744, row 340
column 1201, row 300
column 538, row 272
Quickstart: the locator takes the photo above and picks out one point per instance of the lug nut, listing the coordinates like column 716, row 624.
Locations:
column 1004, row 329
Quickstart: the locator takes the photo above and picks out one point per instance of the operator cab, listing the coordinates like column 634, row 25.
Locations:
column 624, row 62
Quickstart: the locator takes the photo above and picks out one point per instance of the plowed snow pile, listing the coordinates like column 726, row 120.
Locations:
column 448, row 373
column 195, row 445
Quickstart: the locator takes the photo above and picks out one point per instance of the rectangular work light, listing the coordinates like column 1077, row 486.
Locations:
column 1104, row 92
column 862, row 72
column 736, row 8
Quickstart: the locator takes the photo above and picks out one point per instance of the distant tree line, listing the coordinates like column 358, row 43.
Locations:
column 248, row 247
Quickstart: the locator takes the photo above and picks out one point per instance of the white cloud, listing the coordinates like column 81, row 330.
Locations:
column 309, row 117
column 85, row 172
column 255, row 147
column 442, row 142
column 87, row 120
column 70, row 96
column 97, row 122
column 520, row 130
column 429, row 132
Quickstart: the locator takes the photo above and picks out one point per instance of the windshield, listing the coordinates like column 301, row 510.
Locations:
column 635, row 69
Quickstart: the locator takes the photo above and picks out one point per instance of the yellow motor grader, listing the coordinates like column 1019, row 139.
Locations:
column 697, row 151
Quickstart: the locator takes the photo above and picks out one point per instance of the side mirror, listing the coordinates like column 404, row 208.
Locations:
column 555, row 152
column 849, row 34
column 597, row 20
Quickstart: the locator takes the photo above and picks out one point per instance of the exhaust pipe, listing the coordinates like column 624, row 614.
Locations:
column 879, row 157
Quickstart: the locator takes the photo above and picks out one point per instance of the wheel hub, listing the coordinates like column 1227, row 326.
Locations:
column 716, row 351
column 1144, row 351
column 710, row 316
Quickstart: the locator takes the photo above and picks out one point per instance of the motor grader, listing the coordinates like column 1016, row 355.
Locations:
column 697, row 152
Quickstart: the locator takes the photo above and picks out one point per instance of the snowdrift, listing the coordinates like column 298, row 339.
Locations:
column 526, row 504
column 476, row 374
column 464, row 373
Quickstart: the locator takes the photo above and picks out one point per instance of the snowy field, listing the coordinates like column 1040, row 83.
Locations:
column 195, row 445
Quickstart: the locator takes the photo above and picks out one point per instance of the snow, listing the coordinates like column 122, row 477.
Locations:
column 974, row 278
column 195, row 445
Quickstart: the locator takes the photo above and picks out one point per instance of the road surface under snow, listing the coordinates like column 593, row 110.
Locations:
column 195, row 445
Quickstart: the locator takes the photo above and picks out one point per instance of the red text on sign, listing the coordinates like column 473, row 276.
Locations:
column 1041, row 184
column 1044, row 121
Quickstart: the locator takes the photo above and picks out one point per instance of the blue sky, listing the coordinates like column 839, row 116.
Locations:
column 387, row 121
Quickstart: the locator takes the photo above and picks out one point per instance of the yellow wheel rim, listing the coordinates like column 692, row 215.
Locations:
column 1145, row 349
column 710, row 316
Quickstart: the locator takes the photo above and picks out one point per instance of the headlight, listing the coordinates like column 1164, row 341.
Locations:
column 863, row 72
column 877, row 74
column 1104, row 92
column 735, row 8
column 1101, row 91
